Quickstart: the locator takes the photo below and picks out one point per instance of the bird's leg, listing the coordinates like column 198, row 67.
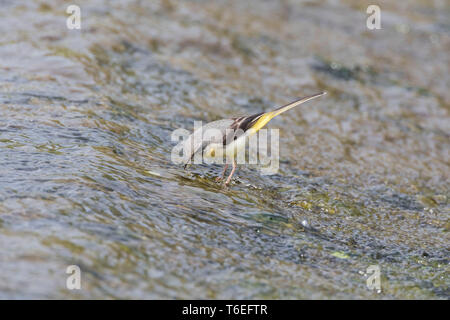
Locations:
column 223, row 173
column 232, row 172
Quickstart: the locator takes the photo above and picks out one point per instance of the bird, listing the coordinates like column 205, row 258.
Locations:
column 230, row 136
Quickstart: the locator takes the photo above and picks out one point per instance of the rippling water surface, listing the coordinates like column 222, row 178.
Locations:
column 86, row 178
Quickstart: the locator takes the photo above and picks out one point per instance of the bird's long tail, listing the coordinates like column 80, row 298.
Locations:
column 266, row 117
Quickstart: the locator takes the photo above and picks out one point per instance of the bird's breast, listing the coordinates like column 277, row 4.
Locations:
column 236, row 146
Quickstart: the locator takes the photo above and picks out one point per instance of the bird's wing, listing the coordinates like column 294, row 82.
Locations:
column 239, row 127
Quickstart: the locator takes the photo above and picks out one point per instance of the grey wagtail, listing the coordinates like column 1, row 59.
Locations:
column 232, row 134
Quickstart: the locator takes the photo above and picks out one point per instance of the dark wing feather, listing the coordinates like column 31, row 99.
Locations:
column 240, row 126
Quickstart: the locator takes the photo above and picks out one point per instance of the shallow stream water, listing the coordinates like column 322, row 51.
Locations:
column 86, row 178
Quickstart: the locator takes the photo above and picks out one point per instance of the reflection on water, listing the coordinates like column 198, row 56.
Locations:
column 86, row 178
